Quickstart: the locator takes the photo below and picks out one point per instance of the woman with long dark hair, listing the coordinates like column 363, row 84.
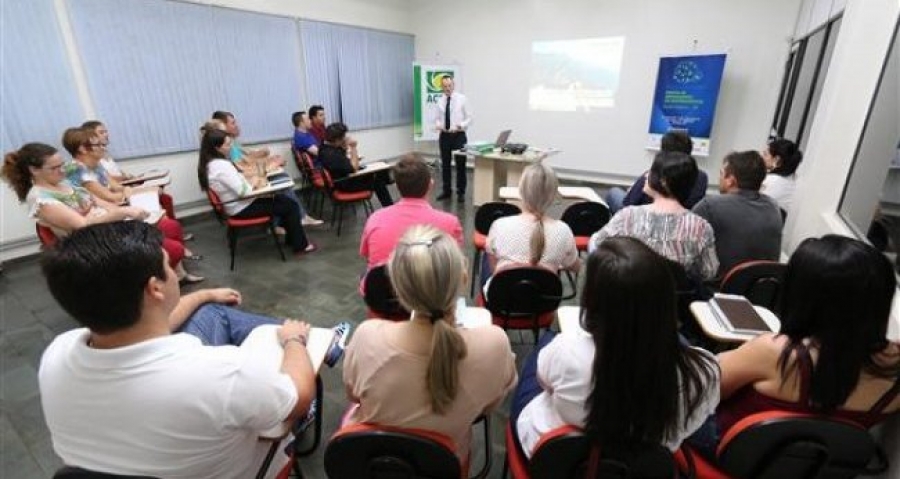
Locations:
column 782, row 157
column 624, row 376
column 219, row 174
column 832, row 355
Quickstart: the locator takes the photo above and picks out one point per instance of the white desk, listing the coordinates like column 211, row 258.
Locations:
column 271, row 188
column 371, row 168
column 568, row 192
column 264, row 341
column 715, row 330
column 146, row 176
column 494, row 170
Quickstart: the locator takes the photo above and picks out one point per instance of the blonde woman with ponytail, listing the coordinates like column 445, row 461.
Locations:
column 426, row 373
column 533, row 238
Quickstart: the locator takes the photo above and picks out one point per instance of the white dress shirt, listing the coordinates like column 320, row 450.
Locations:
column 460, row 112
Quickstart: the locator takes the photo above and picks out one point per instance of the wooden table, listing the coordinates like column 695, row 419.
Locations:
column 495, row 170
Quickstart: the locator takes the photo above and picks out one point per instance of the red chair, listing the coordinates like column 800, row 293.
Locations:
column 315, row 183
column 340, row 199
column 524, row 297
column 565, row 453
column 779, row 444
column 363, row 451
column 234, row 225
column 759, row 281
column 46, row 235
column 585, row 219
column 484, row 218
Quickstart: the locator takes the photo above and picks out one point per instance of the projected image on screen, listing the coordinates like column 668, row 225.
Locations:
column 575, row 75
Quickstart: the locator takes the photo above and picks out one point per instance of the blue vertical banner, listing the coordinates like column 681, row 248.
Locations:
column 687, row 88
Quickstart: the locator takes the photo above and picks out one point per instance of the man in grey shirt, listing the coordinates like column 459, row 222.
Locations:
column 746, row 223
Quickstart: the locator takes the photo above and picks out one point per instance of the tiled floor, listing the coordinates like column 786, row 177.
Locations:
column 320, row 288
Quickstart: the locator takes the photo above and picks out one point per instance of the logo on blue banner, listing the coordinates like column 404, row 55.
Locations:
column 687, row 88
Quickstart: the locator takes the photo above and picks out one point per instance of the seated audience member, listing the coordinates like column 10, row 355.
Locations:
column 782, row 157
column 35, row 172
column 532, row 237
column 215, row 172
column 831, row 356
column 426, row 373
column 677, row 141
column 317, row 123
column 591, row 380
column 385, row 227
column 665, row 225
column 125, row 395
column 115, row 173
column 338, row 155
column 85, row 169
column 746, row 223
column 304, row 140
column 239, row 154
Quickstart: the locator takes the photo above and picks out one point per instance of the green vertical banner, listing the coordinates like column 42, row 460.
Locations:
column 427, row 91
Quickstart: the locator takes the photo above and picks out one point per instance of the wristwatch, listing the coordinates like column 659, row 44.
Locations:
column 299, row 338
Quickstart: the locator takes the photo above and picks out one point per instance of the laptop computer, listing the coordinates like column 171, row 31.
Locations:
column 502, row 138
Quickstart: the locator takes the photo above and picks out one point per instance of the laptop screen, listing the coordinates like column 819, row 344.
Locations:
column 502, row 138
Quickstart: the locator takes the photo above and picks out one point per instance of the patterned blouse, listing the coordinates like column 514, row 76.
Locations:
column 78, row 174
column 77, row 198
column 681, row 237
column 509, row 240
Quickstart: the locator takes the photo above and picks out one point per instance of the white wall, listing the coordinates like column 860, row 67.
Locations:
column 492, row 41
column 17, row 236
column 858, row 57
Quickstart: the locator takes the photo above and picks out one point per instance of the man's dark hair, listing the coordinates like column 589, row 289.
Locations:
column 114, row 259
column 91, row 124
column 222, row 116
column 335, row 132
column 314, row 110
column 297, row 117
column 678, row 141
column 412, row 175
column 747, row 167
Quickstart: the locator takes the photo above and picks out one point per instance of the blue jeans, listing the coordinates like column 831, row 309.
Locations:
column 219, row 325
column 614, row 199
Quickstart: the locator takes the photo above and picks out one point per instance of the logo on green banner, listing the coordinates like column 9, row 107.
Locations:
column 434, row 78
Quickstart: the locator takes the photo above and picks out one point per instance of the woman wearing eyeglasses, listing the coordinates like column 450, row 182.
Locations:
column 426, row 373
column 36, row 173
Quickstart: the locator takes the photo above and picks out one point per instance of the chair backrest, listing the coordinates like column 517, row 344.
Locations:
column 586, row 218
column 46, row 235
column 490, row 212
column 778, row 444
column 524, row 291
column 365, row 451
column 316, row 175
column 216, row 204
column 380, row 296
column 69, row 472
column 759, row 281
column 565, row 453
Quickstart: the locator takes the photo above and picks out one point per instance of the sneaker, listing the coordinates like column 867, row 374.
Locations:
column 338, row 344
column 310, row 221
column 443, row 196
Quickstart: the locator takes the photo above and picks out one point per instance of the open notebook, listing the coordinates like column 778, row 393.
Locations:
column 264, row 341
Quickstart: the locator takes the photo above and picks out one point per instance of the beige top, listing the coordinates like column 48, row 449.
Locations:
column 389, row 379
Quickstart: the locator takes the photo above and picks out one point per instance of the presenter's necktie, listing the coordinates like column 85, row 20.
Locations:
column 447, row 115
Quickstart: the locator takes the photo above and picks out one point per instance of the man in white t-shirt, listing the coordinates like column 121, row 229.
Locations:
column 125, row 395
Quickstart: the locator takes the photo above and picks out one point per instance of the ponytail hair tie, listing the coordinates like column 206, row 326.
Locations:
column 435, row 314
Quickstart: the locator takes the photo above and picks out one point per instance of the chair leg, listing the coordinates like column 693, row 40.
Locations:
column 476, row 271
column 340, row 218
column 317, row 422
column 488, row 448
column 505, row 467
column 277, row 243
column 232, row 244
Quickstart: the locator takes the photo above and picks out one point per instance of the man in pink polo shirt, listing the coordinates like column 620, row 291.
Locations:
column 385, row 227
